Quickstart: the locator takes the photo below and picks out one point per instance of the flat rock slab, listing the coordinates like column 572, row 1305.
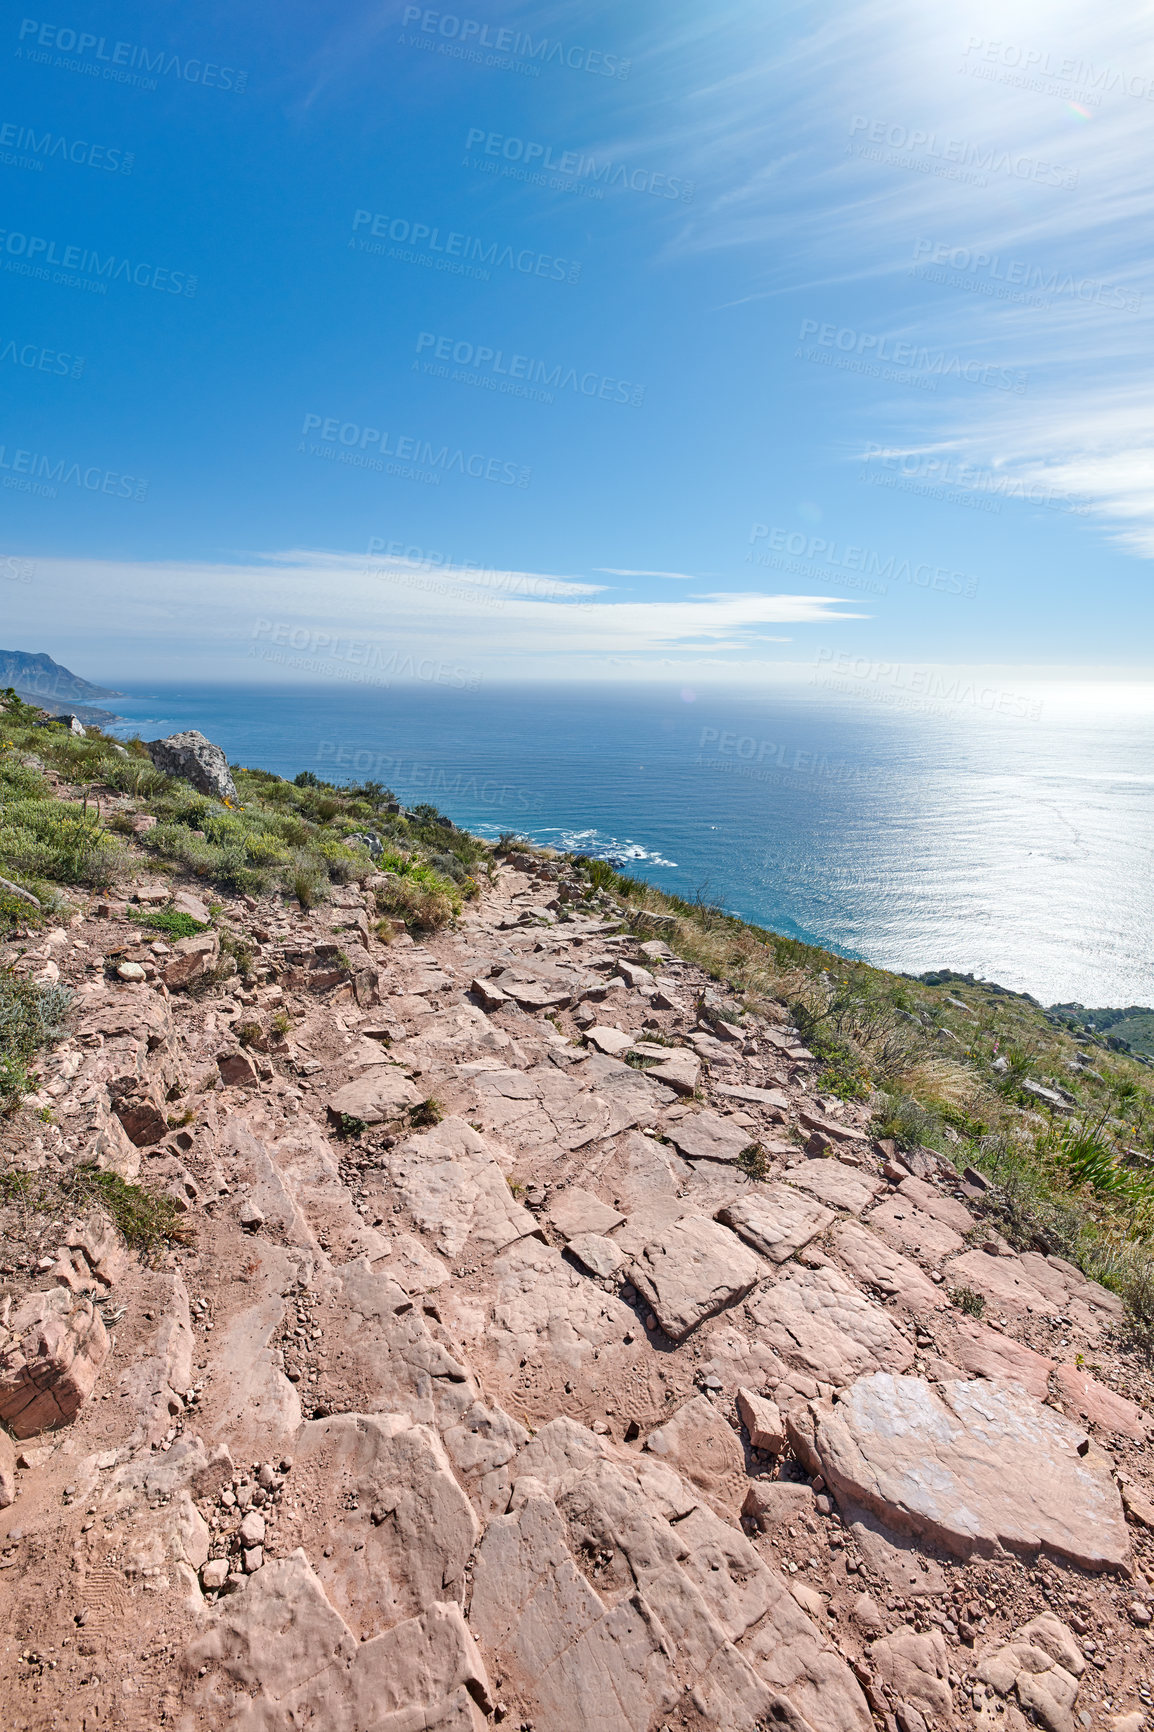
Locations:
column 699, row 1444
column 614, row 1041
column 1091, row 1401
column 381, row 1092
column 407, row 1006
column 577, row 1211
column 817, row 1320
column 407, row 1536
column 545, row 1108
column 644, row 1170
column 776, row 1220
column 680, row 1071
column 753, row 1096
column 835, row 1184
column 931, row 1200
column 905, row 1225
column 453, row 1185
column 873, row 1263
column 985, row 1353
column 542, row 988
column 297, row 1659
column 1045, row 1284
column 1004, row 1282
column 546, row 1307
column 834, row 1128
column 599, row 1255
column 979, row 1467
column 365, row 1052
column 688, row 1269
column 707, row 1136
column 412, row 1266
column 427, row 980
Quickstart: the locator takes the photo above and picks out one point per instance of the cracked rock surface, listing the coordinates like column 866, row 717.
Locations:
column 528, row 1365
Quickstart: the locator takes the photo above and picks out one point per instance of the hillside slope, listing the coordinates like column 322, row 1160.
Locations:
column 469, row 1288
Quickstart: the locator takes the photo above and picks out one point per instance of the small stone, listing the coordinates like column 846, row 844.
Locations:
column 810, row 1601
column 131, row 971
column 599, row 1255
column 267, row 1476
column 214, row 1575
column 250, row 1216
column 252, row 1529
column 253, row 1559
column 1139, row 1613
column 762, row 1420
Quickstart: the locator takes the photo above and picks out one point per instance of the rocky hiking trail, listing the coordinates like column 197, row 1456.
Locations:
column 545, row 1351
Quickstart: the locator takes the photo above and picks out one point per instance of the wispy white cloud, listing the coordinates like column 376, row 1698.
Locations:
column 1001, row 130
column 617, row 571
column 213, row 621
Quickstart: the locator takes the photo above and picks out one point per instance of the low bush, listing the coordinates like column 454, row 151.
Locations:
column 171, row 921
column 31, row 1015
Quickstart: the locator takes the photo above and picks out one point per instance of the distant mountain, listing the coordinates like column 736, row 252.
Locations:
column 39, row 677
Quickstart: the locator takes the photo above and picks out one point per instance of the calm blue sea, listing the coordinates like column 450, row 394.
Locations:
column 1018, row 849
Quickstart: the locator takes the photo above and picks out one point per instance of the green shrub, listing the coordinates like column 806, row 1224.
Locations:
column 1088, row 1156
column 149, row 1221
column 60, row 840
column 30, row 1016
column 846, row 1078
column 968, row 1300
column 906, row 1121
column 168, row 920
column 14, row 911
column 754, row 1162
column 308, row 881
column 422, row 898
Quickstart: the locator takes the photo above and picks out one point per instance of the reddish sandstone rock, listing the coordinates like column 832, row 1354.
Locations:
column 977, row 1467
column 144, row 1123
column 984, row 1353
column 1083, row 1395
column 7, row 1471
column 193, row 958
column 54, row 1348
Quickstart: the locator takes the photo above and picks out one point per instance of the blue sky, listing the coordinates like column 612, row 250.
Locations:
column 577, row 341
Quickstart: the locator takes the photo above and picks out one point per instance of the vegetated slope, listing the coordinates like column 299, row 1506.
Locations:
column 452, row 1259
column 1130, row 1028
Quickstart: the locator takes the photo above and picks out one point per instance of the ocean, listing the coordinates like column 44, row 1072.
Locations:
column 1015, row 845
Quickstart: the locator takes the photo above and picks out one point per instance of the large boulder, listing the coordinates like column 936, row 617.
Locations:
column 194, row 758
